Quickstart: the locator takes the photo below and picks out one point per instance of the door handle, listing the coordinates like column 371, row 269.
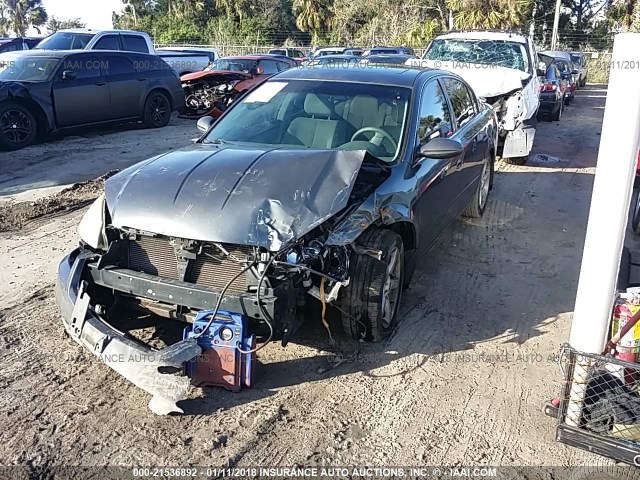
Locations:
column 100, row 84
column 142, row 79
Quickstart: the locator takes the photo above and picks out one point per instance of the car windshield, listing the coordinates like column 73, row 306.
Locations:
column 489, row 52
column 28, row 69
column 65, row 41
column 318, row 114
column 577, row 59
column 234, row 64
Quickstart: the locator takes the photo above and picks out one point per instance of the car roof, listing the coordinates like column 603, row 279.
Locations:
column 401, row 75
column 95, row 31
column 254, row 57
column 485, row 35
column 556, row 54
column 337, row 56
column 66, row 53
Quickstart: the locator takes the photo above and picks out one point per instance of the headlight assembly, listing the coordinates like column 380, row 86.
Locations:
column 92, row 225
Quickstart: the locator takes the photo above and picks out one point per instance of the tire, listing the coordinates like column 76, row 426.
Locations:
column 635, row 219
column 18, row 126
column 567, row 100
column 557, row 115
column 157, row 110
column 516, row 160
column 476, row 207
column 362, row 300
column 624, row 273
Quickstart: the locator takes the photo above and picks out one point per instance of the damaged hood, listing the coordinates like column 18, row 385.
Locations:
column 223, row 76
column 245, row 196
column 486, row 80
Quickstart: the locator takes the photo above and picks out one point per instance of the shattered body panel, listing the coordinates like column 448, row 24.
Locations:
column 193, row 193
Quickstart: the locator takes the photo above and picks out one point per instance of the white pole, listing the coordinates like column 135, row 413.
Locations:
column 611, row 197
column 556, row 22
column 607, row 225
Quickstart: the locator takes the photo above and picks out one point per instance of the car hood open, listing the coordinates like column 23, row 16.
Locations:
column 222, row 76
column 485, row 80
column 227, row 194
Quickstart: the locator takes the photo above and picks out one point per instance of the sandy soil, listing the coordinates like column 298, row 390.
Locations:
column 461, row 382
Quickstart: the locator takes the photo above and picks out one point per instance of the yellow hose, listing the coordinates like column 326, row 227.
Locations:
column 324, row 309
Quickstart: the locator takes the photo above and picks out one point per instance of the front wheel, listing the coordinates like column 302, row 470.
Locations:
column 18, row 127
column 157, row 110
column 370, row 302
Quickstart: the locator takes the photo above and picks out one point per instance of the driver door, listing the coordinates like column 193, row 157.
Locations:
column 82, row 97
column 435, row 179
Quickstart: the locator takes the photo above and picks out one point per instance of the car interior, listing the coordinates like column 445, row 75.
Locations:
column 322, row 115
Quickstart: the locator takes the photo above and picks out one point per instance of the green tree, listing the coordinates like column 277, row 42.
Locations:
column 312, row 16
column 22, row 14
column 54, row 24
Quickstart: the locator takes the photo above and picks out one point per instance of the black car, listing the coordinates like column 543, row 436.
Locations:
column 388, row 51
column 388, row 59
column 42, row 92
column 568, row 72
column 552, row 94
column 13, row 44
column 325, row 183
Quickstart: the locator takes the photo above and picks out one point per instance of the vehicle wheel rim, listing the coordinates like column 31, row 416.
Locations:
column 15, row 126
column 485, row 180
column 391, row 287
column 158, row 110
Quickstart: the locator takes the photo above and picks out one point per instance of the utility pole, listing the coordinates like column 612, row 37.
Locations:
column 556, row 22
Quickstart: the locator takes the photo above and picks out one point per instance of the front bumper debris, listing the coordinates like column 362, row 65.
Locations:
column 136, row 362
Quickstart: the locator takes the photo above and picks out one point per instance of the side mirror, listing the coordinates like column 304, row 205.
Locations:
column 205, row 123
column 575, row 72
column 68, row 75
column 441, row 148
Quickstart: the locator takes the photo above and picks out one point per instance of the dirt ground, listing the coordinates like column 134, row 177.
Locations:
column 499, row 289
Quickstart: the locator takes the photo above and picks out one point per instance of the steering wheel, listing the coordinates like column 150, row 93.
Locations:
column 379, row 136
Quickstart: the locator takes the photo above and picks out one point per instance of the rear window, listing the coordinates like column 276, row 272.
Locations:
column 134, row 43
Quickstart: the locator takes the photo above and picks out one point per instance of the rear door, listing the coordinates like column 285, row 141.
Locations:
column 126, row 86
column 84, row 96
column 134, row 43
column 108, row 42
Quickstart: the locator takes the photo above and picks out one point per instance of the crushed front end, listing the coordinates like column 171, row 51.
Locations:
column 131, row 295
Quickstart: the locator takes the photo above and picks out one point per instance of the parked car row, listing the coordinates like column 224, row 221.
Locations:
column 562, row 78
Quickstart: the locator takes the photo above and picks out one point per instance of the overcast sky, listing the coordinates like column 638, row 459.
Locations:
column 95, row 13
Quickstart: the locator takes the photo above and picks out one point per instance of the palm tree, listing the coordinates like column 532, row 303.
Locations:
column 311, row 15
column 21, row 14
column 489, row 13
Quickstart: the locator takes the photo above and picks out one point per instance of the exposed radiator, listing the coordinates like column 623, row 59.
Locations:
column 211, row 268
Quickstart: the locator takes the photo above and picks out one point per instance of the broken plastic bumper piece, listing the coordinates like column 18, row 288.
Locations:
column 138, row 363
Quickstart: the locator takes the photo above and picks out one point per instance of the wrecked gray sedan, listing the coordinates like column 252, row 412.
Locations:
column 320, row 188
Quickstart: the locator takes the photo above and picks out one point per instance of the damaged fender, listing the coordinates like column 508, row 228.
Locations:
column 34, row 97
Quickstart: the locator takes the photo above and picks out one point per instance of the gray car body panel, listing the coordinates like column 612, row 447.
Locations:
column 244, row 196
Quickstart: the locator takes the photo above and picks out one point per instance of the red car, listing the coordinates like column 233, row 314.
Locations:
column 212, row 90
